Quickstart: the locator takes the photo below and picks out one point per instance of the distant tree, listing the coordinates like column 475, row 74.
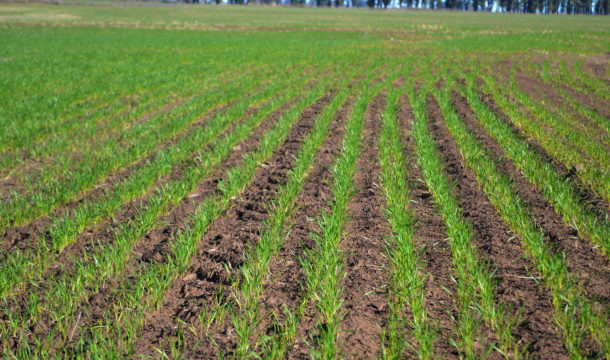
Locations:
column 553, row 6
column 509, row 5
column 602, row 7
column 598, row 7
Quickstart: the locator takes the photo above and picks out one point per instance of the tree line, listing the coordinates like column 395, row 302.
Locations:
column 599, row 7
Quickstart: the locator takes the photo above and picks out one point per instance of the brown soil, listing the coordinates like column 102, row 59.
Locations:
column 287, row 285
column 224, row 245
column 498, row 245
column 365, row 282
column 431, row 238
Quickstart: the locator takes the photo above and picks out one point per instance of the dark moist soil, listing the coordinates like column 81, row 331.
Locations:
column 157, row 240
column 365, row 282
column 431, row 239
column 287, row 286
column 583, row 258
column 594, row 202
column 224, row 245
column 487, row 336
column 498, row 245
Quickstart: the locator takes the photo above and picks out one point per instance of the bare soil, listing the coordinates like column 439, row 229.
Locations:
column 365, row 283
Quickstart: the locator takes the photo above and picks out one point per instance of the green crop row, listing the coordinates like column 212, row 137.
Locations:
column 85, row 132
column 590, row 175
column 574, row 314
column 45, row 94
column 406, row 270
column 570, row 108
column 541, row 174
column 476, row 298
column 323, row 264
column 597, row 86
column 560, row 123
column 151, row 285
column 63, row 295
column 246, row 314
column 65, row 229
column 39, row 115
column 53, row 189
column 558, row 82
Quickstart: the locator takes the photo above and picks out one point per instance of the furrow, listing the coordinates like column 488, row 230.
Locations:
column 364, row 263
